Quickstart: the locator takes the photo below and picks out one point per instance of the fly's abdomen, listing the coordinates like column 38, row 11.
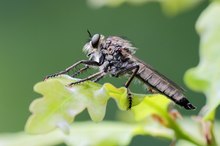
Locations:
column 163, row 85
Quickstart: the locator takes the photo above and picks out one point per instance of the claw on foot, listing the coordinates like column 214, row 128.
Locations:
column 51, row 76
column 70, row 85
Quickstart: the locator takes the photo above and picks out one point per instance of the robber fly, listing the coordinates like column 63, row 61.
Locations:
column 115, row 56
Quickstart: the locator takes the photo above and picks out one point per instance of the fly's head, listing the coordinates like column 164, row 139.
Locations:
column 93, row 47
column 108, row 49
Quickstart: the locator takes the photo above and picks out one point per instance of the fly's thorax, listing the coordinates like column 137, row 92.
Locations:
column 115, row 43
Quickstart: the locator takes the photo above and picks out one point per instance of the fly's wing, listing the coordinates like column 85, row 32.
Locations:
column 132, row 57
column 165, row 78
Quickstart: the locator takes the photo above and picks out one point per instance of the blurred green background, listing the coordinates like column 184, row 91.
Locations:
column 38, row 38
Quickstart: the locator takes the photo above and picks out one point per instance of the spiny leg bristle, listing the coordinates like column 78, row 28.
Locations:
column 129, row 96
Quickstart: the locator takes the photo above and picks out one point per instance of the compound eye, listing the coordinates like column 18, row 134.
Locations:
column 95, row 40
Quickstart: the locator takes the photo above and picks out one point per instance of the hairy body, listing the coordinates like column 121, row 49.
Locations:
column 115, row 56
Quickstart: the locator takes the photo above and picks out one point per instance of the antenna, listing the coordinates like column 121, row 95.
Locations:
column 90, row 35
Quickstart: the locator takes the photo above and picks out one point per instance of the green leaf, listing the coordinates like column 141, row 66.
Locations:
column 173, row 7
column 156, row 104
column 206, row 76
column 102, row 134
column 170, row 7
column 60, row 103
column 216, row 132
column 192, row 129
column 87, row 133
column 120, row 96
column 184, row 143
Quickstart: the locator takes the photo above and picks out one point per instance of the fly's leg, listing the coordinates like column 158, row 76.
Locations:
column 129, row 95
column 86, row 62
column 128, row 83
column 80, row 71
column 136, row 67
column 98, row 78
column 56, row 74
column 94, row 76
